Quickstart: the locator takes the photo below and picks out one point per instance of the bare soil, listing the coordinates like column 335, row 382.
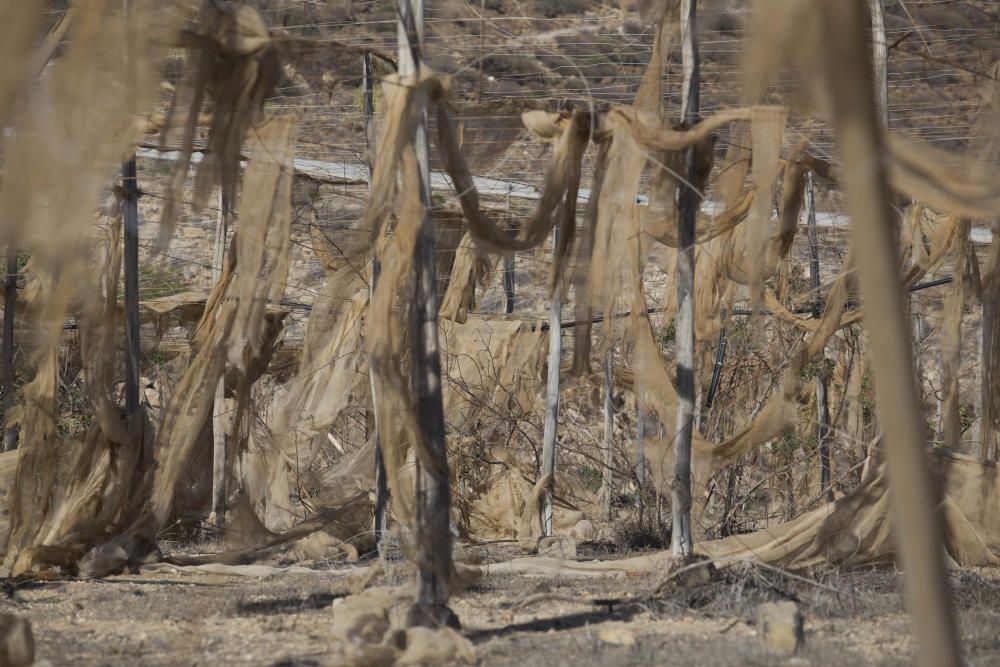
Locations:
column 197, row 618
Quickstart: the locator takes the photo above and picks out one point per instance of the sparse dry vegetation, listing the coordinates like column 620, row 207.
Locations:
column 209, row 363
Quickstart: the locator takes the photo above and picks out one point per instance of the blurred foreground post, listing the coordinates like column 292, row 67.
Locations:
column 433, row 530
column 690, row 200
column 917, row 524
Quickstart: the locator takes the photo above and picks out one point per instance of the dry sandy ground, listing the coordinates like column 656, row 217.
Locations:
column 187, row 618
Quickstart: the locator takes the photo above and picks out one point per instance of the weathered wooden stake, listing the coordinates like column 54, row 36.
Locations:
column 822, row 380
column 218, row 515
column 680, row 496
column 130, row 203
column 433, row 529
column 880, row 58
column 552, row 395
column 508, row 270
column 640, row 439
column 9, row 311
column 381, row 480
column 607, row 476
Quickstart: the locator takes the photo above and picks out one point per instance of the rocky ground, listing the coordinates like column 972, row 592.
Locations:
column 270, row 616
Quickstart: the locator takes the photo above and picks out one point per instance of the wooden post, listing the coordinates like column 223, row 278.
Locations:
column 130, row 203
column 607, row 476
column 130, row 211
column 381, row 479
column 989, row 300
column 9, row 311
column 433, row 529
column 218, row 514
column 880, row 58
column 508, row 270
column 680, row 495
column 822, row 381
column 552, row 394
column 917, row 524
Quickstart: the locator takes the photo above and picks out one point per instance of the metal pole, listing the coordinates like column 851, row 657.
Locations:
column 720, row 358
column 433, row 529
column 552, row 395
column 681, row 540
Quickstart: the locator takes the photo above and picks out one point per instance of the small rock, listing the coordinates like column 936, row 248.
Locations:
column 780, row 627
column 104, row 559
column 322, row 546
column 426, row 646
column 583, row 531
column 557, row 546
column 17, row 644
column 618, row 635
column 363, row 618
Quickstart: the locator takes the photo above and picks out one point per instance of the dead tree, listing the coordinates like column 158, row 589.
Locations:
column 433, row 529
column 681, row 542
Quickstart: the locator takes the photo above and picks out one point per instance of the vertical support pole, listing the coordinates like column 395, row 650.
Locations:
column 130, row 211
column 990, row 299
column 433, row 528
column 552, row 395
column 607, row 476
column 508, row 270
column 713, row 387
column 917, row 524
column 680, row 494
column 130, row 188
column 218, row 514
column 640, row 439
column 482, row 43
column 880, row 58
column 822, row 381
column 381, row 479
column 9, row 311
